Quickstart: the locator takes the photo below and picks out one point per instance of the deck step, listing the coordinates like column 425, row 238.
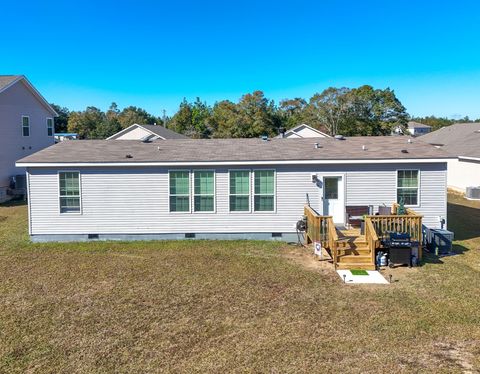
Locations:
column 359, row 266
column 354, row 258
column 353, row 251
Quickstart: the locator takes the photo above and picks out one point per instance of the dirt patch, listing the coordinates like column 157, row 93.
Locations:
column 304, row 256
column 458, row 354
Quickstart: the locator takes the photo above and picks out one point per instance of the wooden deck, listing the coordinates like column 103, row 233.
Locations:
column 351, row 250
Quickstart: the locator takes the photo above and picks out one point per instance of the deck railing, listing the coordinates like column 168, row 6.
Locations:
column 371, row 237
column 410, row 223
column 321, row 229
column 332, row 240
column 317, row 227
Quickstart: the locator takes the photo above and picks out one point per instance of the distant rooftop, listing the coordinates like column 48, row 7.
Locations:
column 161, row 131
column 417, row 125
column 6, row 80
column 460, row 139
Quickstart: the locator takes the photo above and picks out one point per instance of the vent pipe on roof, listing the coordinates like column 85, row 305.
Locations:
column 282, row 131
column 409, row 140
column 364, row 147
column 316, row 145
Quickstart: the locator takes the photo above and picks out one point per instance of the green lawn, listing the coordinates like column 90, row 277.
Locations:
column 230, row 307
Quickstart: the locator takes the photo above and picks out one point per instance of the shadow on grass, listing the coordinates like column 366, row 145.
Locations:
column 464, row 221
column 12, row 203
column 432, row 258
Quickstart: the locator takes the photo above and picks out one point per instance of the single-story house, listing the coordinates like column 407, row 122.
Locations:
column 26, row 126
column 62, row 136
column 418, row 129
column 303, row 131
column 224, row 188
column 146, row 132
column 461, row 140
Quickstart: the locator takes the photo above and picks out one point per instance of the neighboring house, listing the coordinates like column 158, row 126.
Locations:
column 26, row 126
column 463, row 141
column 224, row 188
column 61, row 136
column 303, row 131
column 418, row 129
column 146, row 132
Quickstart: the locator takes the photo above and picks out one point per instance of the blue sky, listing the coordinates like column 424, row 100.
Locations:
column 153, row 53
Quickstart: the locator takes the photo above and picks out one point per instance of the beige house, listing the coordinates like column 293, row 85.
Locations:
column 303, row 131
column 146, row 132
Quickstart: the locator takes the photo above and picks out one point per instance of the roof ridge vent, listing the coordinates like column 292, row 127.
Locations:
column 265, row 138
column 339, row 137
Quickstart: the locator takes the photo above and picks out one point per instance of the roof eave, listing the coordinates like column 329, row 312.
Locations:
column 38, row 95
column 26, row 163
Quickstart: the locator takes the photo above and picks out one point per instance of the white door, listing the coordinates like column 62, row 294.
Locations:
column 334, row 199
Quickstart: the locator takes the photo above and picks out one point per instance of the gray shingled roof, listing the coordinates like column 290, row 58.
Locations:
column 460, row 139
column 5, row 80
column 225, row 150
column 164, row 132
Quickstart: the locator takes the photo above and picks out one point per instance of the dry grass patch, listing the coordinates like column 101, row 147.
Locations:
column 224, row 307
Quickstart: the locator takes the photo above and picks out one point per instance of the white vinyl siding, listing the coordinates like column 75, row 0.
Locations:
column 135, row 200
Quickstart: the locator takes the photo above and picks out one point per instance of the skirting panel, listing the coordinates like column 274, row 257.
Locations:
column 286, row 237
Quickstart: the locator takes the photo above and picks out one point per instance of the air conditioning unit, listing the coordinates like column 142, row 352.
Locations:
column 473, row 193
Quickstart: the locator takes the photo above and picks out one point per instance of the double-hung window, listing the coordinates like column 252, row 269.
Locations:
column 264, row 190
column 179, row 191
column 407, row 186
column 50, row 126
column 69, row 191
column 204, row 191
column 25, row 126
column 239, row 190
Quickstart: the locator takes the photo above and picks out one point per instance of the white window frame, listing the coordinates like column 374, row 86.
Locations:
column 194, row 194
column 79, row 192
column 26, row 126
column 417, row 188
column 189, row 191
column 274, row 191
column 48, row 127
column 250, row 208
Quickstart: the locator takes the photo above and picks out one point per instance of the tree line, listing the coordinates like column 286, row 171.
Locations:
column 347, row 111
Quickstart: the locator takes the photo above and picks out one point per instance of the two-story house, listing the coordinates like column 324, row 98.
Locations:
column 26, row 126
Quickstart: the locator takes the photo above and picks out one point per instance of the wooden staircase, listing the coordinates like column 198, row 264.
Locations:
column 353, row 251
